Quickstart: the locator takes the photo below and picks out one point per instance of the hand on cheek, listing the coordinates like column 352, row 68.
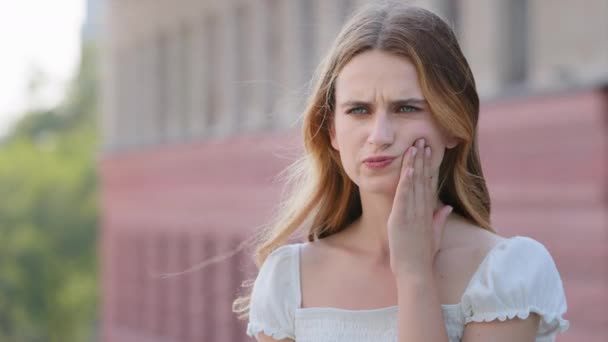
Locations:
column 414, row 228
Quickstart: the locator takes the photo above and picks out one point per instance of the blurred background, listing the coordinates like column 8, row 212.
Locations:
column 139, row 138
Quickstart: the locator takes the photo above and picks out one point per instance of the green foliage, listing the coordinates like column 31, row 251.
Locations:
column 48, row 219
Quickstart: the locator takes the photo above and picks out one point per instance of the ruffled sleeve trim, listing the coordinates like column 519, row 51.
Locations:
column 253, row 329
column 550, row 321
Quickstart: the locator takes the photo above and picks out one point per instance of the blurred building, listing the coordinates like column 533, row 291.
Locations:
column 200, row 107
column 92, row 25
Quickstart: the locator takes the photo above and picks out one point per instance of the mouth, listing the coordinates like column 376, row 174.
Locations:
column 378, row 162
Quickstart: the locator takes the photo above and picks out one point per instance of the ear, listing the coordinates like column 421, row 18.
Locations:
column 452, row 143
column 332, row 135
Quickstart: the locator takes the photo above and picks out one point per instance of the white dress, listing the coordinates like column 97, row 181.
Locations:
column 517, row 276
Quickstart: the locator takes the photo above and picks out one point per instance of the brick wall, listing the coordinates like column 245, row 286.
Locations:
column 166, row 209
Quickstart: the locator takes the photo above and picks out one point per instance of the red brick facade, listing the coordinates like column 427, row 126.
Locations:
column 165, row 209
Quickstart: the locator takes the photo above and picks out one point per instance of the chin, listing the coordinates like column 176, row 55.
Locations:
column 378, row 186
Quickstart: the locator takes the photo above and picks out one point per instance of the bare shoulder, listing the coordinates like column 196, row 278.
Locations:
column 315, row 256
column 464, row 247
column 461, row 233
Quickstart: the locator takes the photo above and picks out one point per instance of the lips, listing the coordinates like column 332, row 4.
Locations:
column 377, row 163
column 378, row 159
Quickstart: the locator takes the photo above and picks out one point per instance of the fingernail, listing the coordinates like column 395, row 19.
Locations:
column 413, row 151
column 427, row 151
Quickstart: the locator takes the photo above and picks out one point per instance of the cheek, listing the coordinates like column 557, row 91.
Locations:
column 350, row 155
column 437, row 153
column 339, row 133
column 432, row 139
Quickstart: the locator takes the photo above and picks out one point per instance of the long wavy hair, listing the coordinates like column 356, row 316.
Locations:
column 320, row 198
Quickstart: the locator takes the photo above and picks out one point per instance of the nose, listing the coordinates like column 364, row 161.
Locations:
column 382, row 132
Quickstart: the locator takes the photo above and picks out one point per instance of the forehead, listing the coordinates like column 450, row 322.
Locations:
column 373, row 73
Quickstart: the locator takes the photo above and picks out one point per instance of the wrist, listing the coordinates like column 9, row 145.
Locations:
column 414, row 278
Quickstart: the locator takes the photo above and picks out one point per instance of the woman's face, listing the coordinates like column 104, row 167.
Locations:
column 379, row 112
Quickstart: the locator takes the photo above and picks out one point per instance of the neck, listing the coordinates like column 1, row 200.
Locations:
column 370, row 230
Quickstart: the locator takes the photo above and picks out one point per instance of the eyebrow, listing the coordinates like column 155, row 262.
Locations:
column 410, row 101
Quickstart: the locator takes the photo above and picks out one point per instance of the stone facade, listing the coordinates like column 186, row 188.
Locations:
column 185, row 70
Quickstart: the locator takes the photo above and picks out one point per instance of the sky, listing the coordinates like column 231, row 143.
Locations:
column 36, row 35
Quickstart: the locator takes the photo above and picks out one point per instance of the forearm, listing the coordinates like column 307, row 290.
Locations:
column 420, row 317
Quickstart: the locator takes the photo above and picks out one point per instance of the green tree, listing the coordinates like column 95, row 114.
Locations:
column 48, row 218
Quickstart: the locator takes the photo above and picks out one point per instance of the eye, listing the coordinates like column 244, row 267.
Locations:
column 407, row 109
column 357, row 110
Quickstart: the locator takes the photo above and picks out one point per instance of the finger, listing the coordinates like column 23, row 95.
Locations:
column 410, row 204
column 419, row 200
column 428, row 186
column 427, row 162
column 441, row 217
column 404, row 181
column 439, row 221
column 406, row 160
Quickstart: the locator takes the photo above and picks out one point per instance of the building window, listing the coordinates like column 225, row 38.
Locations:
column 184, row 281
column 162, row 286
column 208, row 283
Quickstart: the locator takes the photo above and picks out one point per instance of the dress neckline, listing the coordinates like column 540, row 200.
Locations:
column 386, row 309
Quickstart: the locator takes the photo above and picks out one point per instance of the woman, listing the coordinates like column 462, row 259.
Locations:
column 392, row 194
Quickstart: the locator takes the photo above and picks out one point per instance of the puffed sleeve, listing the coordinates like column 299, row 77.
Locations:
column 273, row 296
column 516, row 278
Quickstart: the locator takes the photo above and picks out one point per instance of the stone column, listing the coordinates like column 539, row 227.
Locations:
column 148, row 122
column 109, row 100
column 174, row 85
column 327, row 22
column 480, row 31
column 226, row 64
column 259, row 63
column 108, row 111
column 291, row 80
column 136, row 95
column 197, row 90
column 568, row 42
column 122, row 89
column 244, row 85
